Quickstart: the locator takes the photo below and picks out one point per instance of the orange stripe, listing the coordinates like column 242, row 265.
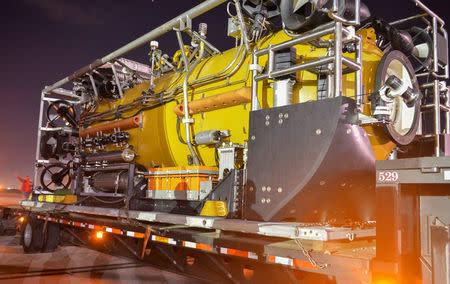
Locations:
column 117, row 231
column 139, row 235
column 272, row 258
column 161, row 239
column 204, row 247
column 237, row 252
column 303, row 264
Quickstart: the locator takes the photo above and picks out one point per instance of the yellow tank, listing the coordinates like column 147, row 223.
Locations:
column 156, row 141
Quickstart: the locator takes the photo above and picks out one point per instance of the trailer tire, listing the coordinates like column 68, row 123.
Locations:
column 51, row 241
column 32, row 238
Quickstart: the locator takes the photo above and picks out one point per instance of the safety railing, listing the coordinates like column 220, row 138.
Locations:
column 336, row 59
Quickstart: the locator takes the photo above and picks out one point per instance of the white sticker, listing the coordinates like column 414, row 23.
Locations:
column 446, row 175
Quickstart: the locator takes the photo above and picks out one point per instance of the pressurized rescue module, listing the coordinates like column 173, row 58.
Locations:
column 285, row 126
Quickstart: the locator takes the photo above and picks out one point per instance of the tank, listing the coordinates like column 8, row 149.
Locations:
column 156, row 142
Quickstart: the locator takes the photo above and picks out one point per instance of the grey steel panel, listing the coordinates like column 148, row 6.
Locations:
column 308, row 163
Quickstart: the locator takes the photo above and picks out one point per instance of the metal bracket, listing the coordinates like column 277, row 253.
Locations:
column 256, row 67
column 188, row 120
column 185, row 23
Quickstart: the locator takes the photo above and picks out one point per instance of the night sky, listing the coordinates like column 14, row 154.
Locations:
column 42, row 41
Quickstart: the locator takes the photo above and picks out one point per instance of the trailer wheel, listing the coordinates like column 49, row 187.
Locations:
column 32, row 238
column 51, row 241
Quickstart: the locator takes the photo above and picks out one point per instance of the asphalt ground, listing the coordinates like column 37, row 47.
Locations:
column 73, row 264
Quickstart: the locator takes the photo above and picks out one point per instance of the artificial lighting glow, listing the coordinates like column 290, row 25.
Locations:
column 99, row 235
column 21, row 219
column 385, row 281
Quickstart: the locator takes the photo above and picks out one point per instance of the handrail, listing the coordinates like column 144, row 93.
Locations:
column 428, row 11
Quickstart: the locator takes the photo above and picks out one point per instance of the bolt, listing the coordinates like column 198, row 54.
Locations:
column 280, row 121
column 267, row 123
column 263, row 188
column 286, row 115
column 280, row 115
column 280, row 190
column 263, row 200
column 267, row 117
column 268, row 200
column 253, row 137
column 269, row 189
column 318, row 131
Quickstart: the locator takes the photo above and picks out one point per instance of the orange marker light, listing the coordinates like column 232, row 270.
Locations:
column 21, row 219
column 99, row 235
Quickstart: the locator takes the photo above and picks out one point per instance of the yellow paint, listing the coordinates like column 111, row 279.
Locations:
column 214, row 208
column 157, row 143
column 65, row 199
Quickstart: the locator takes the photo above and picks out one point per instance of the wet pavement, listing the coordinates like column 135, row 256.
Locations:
column 72, row 264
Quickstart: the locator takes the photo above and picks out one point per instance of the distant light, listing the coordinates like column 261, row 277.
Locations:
column 99, row 235
column 21, row 219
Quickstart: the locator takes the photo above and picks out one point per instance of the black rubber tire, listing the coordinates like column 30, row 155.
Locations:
column 31, row 237
column 51, row 241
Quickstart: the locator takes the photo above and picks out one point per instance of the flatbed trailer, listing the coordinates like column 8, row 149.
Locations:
column 264, row 184
column 236, row 251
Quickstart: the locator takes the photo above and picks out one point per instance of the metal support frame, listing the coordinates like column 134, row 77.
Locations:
column 336, row 59
column 57, row 94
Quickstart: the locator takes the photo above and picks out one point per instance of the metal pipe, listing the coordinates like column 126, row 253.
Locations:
column 447, row 114
column 242, row 24
column 444, row 32
column 91, row 78
column 401, row 21
column 208, row 45
column 357, row 10
column 358, row 73
column 436, row 91
column 116, row 78
column 429, row 107
column 351, row 64
column 337, row 59
column 183, row 52
column 164, row 28
column 429, row 12
column 67, row 94
column 255, row 102
column 238, row 52
column 187, row 120
column 298, row 40
column 296, row 68
column 270, row 61
column 38, row 142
